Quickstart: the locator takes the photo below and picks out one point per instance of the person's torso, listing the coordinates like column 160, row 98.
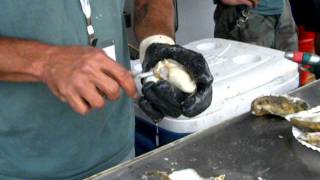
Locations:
column 265, row 7
column 269, row 7
column 40, row 136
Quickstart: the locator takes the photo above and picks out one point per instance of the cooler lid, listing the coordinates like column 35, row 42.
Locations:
column 239, row 68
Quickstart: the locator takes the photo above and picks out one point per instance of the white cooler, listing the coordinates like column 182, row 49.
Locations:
column 241, row 73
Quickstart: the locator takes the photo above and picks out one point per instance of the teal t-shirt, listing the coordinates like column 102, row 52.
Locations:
column 269, row 7
column 41, row 137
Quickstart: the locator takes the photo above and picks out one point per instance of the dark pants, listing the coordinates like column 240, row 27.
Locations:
column 276, row 31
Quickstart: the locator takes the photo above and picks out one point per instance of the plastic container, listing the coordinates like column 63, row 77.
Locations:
column 241, row 73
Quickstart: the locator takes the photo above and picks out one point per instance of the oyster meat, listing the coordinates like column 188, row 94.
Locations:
column 176, row 74
column 277, row 105
column 309, row 119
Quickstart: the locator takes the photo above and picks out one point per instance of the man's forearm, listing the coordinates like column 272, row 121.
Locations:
column 21, row 60
column 154, row 17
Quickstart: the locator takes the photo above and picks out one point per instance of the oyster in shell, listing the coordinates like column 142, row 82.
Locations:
column 277, row 105
column 309, row 119
column 176, row 74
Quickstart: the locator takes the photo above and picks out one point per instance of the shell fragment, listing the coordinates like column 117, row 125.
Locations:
column 191, row 174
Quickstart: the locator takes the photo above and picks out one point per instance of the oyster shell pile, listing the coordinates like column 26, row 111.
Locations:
column 296, row 111
column 277, row 105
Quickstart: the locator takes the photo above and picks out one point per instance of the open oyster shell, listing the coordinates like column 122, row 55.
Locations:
column 279, row 105
column 307, row 139
column 312, row 138
column 309, row 119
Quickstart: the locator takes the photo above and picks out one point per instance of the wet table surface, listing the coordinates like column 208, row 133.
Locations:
column 245, row 148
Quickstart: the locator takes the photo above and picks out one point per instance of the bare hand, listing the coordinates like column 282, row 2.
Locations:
column 250, row 3
column 81, row 76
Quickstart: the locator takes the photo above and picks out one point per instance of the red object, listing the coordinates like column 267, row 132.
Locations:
column 306, row 44
column 298, row 57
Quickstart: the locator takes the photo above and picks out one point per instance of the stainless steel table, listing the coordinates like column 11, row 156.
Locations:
column 245, row 148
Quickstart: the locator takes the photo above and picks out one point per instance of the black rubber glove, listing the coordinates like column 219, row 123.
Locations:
column 163, row 99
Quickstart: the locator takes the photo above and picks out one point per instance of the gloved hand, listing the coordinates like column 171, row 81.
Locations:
column 161, row 98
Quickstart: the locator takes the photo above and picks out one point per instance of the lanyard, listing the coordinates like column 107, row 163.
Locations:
column 86, row 8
